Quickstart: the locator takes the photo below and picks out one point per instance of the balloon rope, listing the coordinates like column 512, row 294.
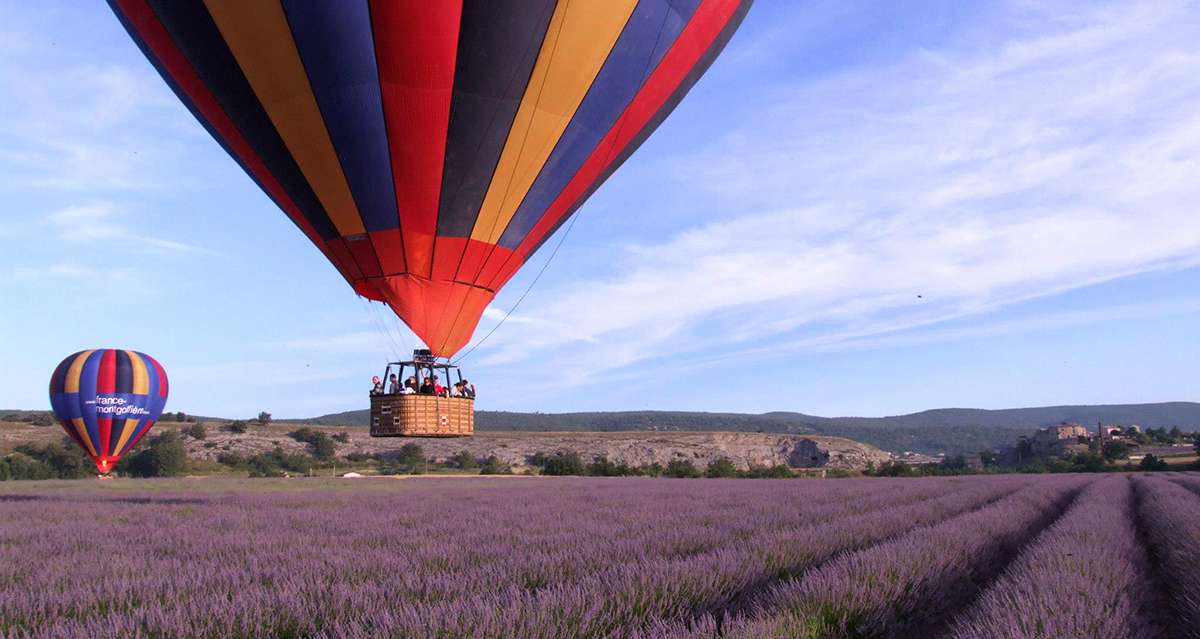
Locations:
column 574, row 218
column 372, row 313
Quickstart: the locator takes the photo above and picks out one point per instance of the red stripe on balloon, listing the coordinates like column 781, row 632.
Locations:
column 416, row 43
column 106, row 384
column 162, row 378
column 692, row 44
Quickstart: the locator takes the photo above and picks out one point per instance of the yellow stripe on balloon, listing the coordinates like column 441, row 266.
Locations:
column 77, row 422
column 141, row 378
column 578, row 41
column 130, row 426
column 71, row 384
column 258, row 35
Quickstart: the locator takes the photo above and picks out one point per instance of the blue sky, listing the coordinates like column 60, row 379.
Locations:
column 862, row 209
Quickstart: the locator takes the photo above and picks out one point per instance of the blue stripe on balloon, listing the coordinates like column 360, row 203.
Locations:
column 338, row 51
column 86, row 399
column 651, row 30
column 124, row 388
column 498, row 44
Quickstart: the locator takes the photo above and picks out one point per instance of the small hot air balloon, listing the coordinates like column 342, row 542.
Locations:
column 429, row 147
column 107, row 399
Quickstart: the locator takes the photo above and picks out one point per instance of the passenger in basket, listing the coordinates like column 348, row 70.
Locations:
column 410, row 386
column 427, row 386
column 376, row 385
column 468, row 389
column 393, row 384
column 456, row 389
column 438, row 389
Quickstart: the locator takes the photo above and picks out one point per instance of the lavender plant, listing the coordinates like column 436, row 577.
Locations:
column 1086, row 576
column 1171, row 514
column 906, row 586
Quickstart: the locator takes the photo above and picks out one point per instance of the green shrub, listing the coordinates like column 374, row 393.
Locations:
column 720, row 468
column 64, row 460
column 21, row 466
column 165, row 456
column 1153, row 463
column 236, row 427
column 196, row 431
column 653, row 469
column 464, row 460
column 342, row 438
column 233, row 460
column 494, row 466
column 682, row 468
column 564, row 462
column 769, row 472
column 323, row 447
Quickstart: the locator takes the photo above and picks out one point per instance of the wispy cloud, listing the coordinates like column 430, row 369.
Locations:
column 71, row 123
column 105, row 221
column 951, row 182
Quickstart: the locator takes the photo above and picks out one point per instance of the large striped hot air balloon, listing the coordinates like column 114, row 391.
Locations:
column 107, row 399
column 429, row 147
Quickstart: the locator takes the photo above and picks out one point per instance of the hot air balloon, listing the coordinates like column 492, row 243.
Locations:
column 107, row 400
column 429, row 147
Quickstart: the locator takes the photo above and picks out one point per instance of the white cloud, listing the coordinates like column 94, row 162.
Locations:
column 104, row 221
column 71, row 123
column 947, row 184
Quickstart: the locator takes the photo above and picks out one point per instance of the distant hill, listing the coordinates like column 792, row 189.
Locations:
column 949, row 430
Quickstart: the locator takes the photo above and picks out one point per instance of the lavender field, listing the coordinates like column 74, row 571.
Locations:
column 964, row 557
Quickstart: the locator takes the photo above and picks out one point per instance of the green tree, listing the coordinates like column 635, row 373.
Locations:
column 21, row 466
column 601, row 467
column 1152, row 463
column 653, row 469
column 236, row 427
column 196, row 431
column 165, row 456
column 682, row 468
column 564, row 462
column 494, row 466
column 1114, row 451
column 64, row 460
column 263, row 418
column 322, row 446
column 779, row 471
column 411, row 455
column 464, row 460
column 721, row 467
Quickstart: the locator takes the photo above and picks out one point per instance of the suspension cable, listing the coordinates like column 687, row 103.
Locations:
column 561, row 240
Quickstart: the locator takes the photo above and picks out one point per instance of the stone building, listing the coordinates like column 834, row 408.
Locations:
column 1063, row 439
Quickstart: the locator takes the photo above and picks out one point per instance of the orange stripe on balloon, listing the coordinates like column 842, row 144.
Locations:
column 75, row 372
column 259, row 38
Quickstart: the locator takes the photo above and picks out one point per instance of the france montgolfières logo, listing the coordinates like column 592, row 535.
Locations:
column 107, row 400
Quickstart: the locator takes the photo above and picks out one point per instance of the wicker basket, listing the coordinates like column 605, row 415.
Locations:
column 421, row 416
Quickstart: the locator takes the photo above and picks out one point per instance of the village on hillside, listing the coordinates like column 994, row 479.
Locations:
column 1149, row 448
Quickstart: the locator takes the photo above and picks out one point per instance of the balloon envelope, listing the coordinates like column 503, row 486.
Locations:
column 428, row 148
column 107, row 399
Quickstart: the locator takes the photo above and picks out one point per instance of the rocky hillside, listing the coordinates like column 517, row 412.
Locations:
column 948, row 430
column 633, row 448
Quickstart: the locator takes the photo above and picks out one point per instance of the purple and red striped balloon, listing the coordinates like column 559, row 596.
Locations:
column 107, row 400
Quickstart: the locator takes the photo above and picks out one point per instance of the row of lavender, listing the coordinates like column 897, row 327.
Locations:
column 589, row 558
column 439, row 558
column 1123, row 561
